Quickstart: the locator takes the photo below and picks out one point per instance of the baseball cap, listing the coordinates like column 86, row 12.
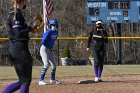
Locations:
column 99, row 22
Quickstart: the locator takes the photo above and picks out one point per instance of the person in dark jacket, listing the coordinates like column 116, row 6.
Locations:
column 98, row 39
column 19, row 53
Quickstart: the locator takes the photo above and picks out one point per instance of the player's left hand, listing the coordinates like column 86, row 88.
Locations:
column 104, row 37
column 37, row 24
column 87, row 49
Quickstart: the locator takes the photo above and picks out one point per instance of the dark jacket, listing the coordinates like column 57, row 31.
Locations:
column 17, row 27
column 97, row 38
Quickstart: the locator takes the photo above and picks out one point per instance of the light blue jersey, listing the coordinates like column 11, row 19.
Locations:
column 49, row 38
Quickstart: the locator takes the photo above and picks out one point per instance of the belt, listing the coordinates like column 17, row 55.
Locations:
column 51, row 49
column 16, row 26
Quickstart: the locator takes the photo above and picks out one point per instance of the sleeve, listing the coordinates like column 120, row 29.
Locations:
column 9, row 25
column 105, row 37
column 26, row 30
column 89, row 40
column 45, row 37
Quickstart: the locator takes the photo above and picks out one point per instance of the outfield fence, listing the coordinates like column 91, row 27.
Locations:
column 130, row 50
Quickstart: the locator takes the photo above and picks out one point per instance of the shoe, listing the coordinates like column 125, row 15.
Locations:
column 100, row 80
column 42, row 83
column 96, row 79
column 55, row 81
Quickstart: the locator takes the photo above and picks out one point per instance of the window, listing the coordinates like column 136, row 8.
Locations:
column 94, row 11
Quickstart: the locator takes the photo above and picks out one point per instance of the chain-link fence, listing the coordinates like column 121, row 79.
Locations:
column 72, row 23
column 78, row 52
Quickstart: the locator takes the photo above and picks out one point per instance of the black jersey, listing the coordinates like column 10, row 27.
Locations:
column 98, row 38
column 17, row 27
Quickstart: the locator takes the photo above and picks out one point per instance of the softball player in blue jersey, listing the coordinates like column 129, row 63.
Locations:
column 47, row 53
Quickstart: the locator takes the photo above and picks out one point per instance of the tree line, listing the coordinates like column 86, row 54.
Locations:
column 71, row 15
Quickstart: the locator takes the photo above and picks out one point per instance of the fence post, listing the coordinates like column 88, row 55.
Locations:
column 58, row 52
column 119, row 45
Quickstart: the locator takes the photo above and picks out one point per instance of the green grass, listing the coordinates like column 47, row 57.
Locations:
column 70, row 71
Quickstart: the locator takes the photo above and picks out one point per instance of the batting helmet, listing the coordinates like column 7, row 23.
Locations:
column 53, row 22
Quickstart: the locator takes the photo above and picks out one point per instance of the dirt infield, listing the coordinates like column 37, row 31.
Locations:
column 111, row 84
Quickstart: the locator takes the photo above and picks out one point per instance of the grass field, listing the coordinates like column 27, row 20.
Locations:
column 117, row 79
column 71, row 71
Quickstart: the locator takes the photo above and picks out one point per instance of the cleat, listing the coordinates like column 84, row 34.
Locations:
column 100, row 80
column 42, row 83
column 96, row 79
column 55, row 81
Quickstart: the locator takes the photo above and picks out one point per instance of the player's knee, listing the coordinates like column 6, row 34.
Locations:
column 26, row 83
column 53, row 67
column 96, row 63
column 26, row 80
column 46, row 66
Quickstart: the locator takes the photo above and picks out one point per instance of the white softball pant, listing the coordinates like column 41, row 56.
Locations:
column 48, row 58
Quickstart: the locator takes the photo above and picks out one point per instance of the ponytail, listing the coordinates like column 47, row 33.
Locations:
column 17, row 1
column 15, row 8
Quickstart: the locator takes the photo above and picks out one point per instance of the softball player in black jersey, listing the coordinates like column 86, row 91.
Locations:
column 18, row 47
column 99, row 39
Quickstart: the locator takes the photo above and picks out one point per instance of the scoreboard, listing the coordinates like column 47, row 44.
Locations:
column 113, row 11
